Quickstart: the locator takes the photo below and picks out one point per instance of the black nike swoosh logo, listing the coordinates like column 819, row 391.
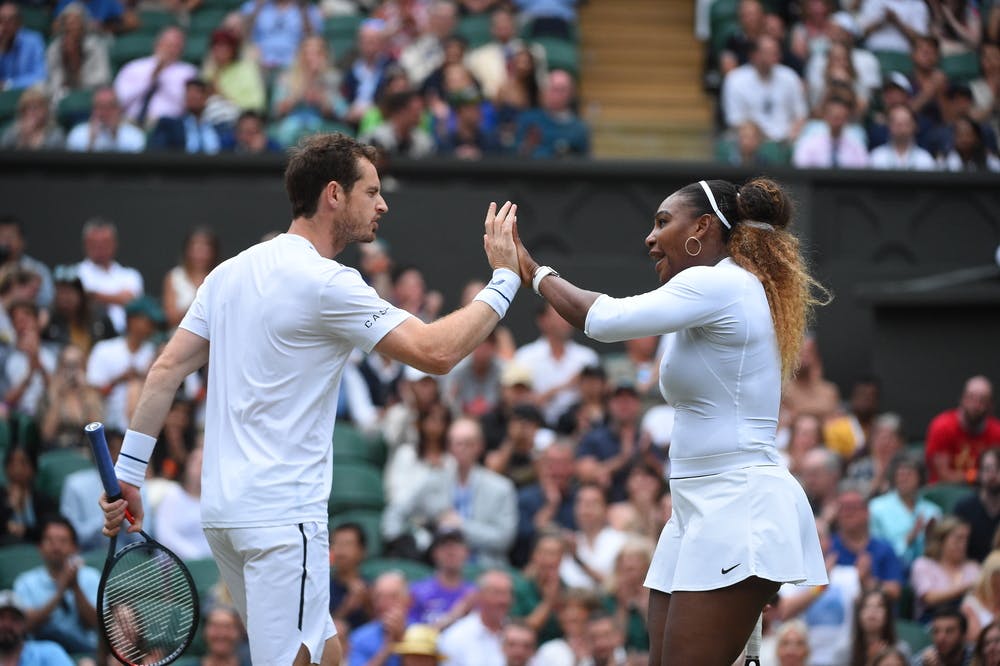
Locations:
column 725, row 571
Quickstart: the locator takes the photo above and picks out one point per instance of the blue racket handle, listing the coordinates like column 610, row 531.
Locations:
column 99, row 445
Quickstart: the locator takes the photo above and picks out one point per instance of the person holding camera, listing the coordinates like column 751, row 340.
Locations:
column 69, row 403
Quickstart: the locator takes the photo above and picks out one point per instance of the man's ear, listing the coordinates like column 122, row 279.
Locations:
column 333, row 193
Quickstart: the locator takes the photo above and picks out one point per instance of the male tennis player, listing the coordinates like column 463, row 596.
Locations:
column 281, row 319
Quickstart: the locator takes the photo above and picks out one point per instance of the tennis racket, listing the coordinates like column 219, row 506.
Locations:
column 147, row 604
column 753, row 644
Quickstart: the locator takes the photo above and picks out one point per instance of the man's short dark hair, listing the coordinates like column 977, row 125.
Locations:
column 250, row 113
column 359, row 532
column 12, row 221
column 315, row 162
column 396, row 102
column 57, row 519
column 944, row 613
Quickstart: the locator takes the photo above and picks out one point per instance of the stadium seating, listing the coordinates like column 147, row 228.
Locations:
column 195, row 47
column 913, row 634
column 16, row 559
column 961, row 68
column 351, row 446
column 55, row 466
column 152, row 22
column 894, row 61
column 475, row 29
column 36, row 18
column 74, row 108
column 8, row 105
column 205, row 574
column 723, row 22
column 356, row 486
column 560, row 54
column 946, row 495
column 207, row 19
column 129, row 47
column 414, row 571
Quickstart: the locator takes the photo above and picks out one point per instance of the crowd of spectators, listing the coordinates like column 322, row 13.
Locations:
column 512, row 512
column 413, row 77
column 880, row 84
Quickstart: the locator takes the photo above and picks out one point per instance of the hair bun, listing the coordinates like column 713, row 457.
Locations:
column 763, row 200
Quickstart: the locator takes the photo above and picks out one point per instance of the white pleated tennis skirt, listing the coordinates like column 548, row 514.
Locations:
column 726, row 527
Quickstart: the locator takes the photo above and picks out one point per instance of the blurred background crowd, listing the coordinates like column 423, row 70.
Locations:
column 502, row 514
column 888, row 84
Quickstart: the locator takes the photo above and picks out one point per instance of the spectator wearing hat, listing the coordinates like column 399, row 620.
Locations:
column 73, row 319
column 190, row 132
column 475, row 640
column 153, row 87
column 235, row 83
column 16, row 647
column 116, row 364
column 902, row 151
column 59, row 596
column 896, row 89
column 106, row 130
column 106, row 281
column 481, row 503
column 515, row 388
column 515, row 457
column 12, row 253
column 22, row 51
column 446, row 596
column 419, row 646
column 464, row 134
column 34, row 127
column 605, row 453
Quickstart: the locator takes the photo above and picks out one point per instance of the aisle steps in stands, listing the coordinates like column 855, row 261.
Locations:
column 641, row 80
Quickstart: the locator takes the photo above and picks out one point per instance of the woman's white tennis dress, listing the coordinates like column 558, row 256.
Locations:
column 737, row 512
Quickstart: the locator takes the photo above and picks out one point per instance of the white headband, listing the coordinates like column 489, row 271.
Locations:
column 715, row 206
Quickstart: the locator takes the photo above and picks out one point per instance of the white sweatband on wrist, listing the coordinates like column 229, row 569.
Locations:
column 134, row 457
column 540, row 272
column 501, row 290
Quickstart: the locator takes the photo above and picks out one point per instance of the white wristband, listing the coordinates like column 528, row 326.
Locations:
column 136, row 450
column 501, row 290
column 540, row 272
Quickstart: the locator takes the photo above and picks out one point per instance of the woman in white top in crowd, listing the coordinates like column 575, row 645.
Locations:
column 981, row 605
column 737, row 292
column 199, row 256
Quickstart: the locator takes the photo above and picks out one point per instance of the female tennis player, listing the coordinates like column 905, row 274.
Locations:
column 736, row 291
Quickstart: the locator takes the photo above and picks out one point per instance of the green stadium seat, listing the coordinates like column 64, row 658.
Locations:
column 961, row 68
column 475, row 28
column 26, row 431
column 342, row 26
column 560, row 54
column 370, row 522
column 37, row 18
column 340, row 46
column 195, row 47
column 723, row 22
column 129, row 47
column 356, row 486
column 913, row 634
column 55, row 466
column 207, row 19
column 8, row 105
column 351, row 446
column 74, row 108
column 15, row 560
column 205, row 573
column 151, row 22
column 95, row 558
column 413, row 570
column 894, row 61
column 946, row 495
column 228, row 5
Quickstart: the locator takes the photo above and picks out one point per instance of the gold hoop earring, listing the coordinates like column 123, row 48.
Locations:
column 696, row 240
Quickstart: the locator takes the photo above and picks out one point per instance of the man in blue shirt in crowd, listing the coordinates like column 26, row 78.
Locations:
column 22, row 51
column 14, row 646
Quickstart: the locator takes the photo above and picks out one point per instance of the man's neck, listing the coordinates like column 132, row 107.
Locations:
column 557, row 346
column 133, row 342
column 970, row 426
column 990, row 501
column 493, row 624
column 450, row 579
column 464, row 474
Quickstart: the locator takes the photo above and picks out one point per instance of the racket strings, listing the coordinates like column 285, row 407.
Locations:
column 149, row 607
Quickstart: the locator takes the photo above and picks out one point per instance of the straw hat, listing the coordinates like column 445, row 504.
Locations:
column 419, row 639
